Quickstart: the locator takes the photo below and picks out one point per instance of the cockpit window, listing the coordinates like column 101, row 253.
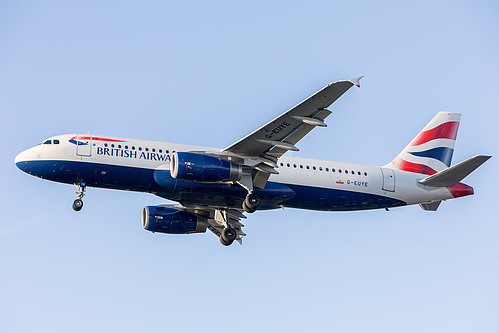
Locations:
column 56, row 142
column 48, row 142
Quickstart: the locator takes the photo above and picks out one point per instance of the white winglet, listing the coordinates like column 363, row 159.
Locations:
column 356, row 81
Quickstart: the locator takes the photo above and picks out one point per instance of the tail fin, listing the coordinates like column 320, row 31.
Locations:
column 431, row 150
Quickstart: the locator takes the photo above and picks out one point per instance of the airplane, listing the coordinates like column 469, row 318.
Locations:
column 214, row 187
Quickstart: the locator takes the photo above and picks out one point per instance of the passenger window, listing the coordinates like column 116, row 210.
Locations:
column 105, row 145
column 160, row 151
column 119, row 146
column 282, row 164
column 166, row 151
column 308, row 167
column 353, row 172
column 56, row 142
column 339, row 170
column 333, row 170
column 320, row 168
column 314, row 168
column 365, row 174
column 301, row 166
column 294, row 166
column 112, row 145
column 358, row 173
column 288, row 165
column 126, row 147
column 133, row 147
column 147, row 149
column 153, row 150
column 327, row 169
column 140, row 148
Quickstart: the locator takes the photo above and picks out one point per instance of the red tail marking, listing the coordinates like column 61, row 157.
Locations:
column 444, row 131
column 413, row 167
column 460, row 190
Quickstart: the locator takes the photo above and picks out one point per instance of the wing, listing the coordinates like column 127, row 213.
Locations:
column 281, row 134
column 265, row 145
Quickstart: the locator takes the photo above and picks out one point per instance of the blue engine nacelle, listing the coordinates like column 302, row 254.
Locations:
column 203, row 168
column 172, row 221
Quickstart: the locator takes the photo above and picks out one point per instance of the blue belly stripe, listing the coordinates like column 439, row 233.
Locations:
column 160, row 182
column 316, row 198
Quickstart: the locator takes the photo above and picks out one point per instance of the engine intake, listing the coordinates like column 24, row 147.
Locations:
column 203, row 168
column 172, row 221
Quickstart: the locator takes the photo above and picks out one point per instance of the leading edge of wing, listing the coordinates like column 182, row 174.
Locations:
column 238, row 146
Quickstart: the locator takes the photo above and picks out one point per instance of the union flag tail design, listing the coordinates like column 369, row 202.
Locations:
column 431, row 150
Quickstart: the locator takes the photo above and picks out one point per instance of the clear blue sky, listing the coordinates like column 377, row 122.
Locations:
column 209, row 73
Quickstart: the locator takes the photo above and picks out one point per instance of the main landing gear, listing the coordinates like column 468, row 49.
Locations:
column 78, row 203
column 228, row 236
column 251, row 203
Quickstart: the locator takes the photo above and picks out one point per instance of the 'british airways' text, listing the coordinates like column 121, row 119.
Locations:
column 125, row 153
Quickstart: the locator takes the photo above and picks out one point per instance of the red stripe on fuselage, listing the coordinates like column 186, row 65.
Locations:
column 413, row 167
column 95, row 139
column 444, row 131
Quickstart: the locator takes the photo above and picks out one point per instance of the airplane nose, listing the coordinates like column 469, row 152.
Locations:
column 21, row 160
column 18, row 158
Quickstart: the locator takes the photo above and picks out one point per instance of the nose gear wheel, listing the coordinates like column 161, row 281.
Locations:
column 78, row 203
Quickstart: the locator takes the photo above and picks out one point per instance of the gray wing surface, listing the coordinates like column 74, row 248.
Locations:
column 281, row 134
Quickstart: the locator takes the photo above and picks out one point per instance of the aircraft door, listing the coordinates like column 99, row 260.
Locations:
column 388, row 180
column 84, row 145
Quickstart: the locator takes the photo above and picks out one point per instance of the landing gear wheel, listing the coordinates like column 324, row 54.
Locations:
column 228, row 236
column 251, row 203
column 247, row 209
column 77, row 205
column 224, row 242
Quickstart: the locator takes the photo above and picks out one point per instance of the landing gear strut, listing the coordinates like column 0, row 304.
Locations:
column 251, row 203
column 78, row 203
column 228, row 236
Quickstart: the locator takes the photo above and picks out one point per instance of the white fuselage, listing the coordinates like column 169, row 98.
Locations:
column 105, row 161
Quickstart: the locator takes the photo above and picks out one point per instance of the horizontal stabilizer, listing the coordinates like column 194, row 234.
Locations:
column 431, row 206
column 453, row 175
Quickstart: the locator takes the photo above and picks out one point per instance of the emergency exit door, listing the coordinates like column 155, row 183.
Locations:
column 388, row 180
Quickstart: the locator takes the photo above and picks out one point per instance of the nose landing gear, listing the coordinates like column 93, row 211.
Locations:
column 78, row 203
